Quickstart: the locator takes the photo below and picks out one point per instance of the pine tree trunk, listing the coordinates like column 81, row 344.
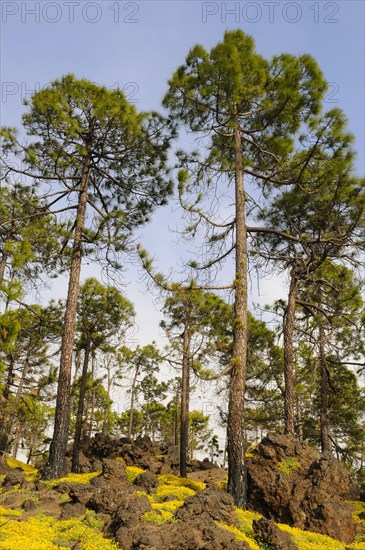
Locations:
column 55, row 466
column 15, row 405
column 106, row 411
column 16, row 440
column 133, row 398
column 185, row 395
column 4, row 259
column 92, row 409
column 324, row 412
column 80, row 409
column 235, row 433
column 176, row 419
column 289, row 325
column 5, row 409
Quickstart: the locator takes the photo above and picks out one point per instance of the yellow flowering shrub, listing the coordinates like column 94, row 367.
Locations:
column 158, row 517
column 306, row 540
column 288, row 465
column 84, row 479
column 169, row 506
column 245, row 519
column 357, row 507
column 239, row 535
column 31, row 473
column 132, row 472
column 9, row 512
column 170, row 479
column 172, row 492
column 46, row 533
column 64, row 498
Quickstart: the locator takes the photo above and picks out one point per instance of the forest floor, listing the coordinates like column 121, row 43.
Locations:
column 122, row 505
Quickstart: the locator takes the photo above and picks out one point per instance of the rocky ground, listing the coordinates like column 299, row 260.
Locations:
column 131, row 492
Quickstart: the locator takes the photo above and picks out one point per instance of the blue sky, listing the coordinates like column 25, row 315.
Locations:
column 138, row 45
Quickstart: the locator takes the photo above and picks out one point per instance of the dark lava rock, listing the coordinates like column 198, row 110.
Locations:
column 127, row 518
column 10, row 500
column 14, row 477
column 206, row 464
column 113, row 468
column 146, row 481
column 4, row 468
column 195, row 527
column 211, row 504
column 62, row 487
column 72, row 510
column 195, row 535
column 29, row 505
column 271, row 535
column 310, row 496
column 111, row 494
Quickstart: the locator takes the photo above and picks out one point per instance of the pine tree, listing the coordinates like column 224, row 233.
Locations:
column 106, row 164
column 102, row 313
column 246, row 110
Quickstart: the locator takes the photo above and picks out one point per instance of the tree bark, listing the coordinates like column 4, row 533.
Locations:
column 16, row 441
column 55, row 466
column 176, row 418
column 106, row 410
column 4, row 259
column 80, row 410
column 15, row 405
column 237, row 482
column 185, row 391
column 5, row 409
column 133, row 398
column 324, row 411
column 92, row 408
column 289, row 325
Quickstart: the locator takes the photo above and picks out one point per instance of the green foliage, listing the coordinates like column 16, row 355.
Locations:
column 288, row 465
column 137, row 424
column 102, row 312
column 128, row 174
column 29, row 239
column 199, row 431
column 9, row 330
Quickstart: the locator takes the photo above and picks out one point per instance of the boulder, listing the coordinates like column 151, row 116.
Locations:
column 271, row 535
column 146, row 481
column 29, row 505
column 72, row 510
column 212, row 504
column 13, row 477
column 198, row 534
column 3, row 465
column 291, row 482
